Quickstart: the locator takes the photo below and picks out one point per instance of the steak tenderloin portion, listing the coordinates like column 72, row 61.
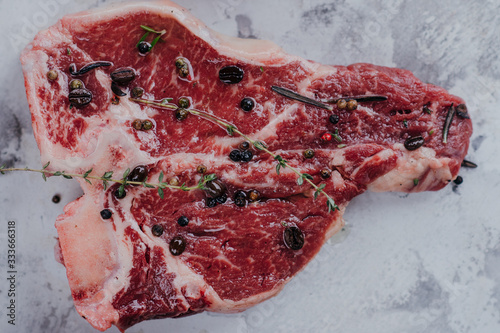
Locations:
column 122, row 270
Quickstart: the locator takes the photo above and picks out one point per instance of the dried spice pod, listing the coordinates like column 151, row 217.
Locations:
column 231, row 74
column 87, row 68
column 80, row 97
column 123, row 76
column 177, row 245
column 462, row 111
column 116, row 90
column 293, row 238
column 414, row 143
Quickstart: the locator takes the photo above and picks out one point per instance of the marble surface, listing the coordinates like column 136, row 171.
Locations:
column 426, row 262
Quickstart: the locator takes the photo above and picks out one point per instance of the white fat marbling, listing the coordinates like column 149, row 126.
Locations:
column 426, row 262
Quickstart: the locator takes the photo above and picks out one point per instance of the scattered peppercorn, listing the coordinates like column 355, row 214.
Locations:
column 246, row 156
column 144, row 47
column 177, row 246
column 157, row 230
column 52, row 75
column 210, row 202
column 183, row 221
column 221, row 199
column 106, row 214
column 352, row 105
column 341, row 103
column 137, row 124
column 325, row 173
column 235, row 155
column 293, row 238
column 76, row 84
column 240, row 199
column 334, row 119
column 308, row 153
column 247, row 104
column 184, row 103
column 244, row 145
column 326, row 137
column 180, row 62
column 115, row 100
column 181, row 114
column 184, row 72
column 174, row 181
column 137, row 92
column 56, row 199
column 201, row 169
column 459, row 180
column 253, row 195
column 147, row 125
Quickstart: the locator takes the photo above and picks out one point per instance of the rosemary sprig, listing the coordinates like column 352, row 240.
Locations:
column 148, row 31
column 231, row 130
column 106, row 179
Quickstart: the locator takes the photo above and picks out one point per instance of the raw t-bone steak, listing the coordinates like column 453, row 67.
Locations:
column 132, row 256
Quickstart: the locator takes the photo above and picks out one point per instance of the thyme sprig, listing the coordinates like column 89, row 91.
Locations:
column 232, row 129
column 107, row 178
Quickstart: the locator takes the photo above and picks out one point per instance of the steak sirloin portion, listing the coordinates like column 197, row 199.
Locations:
column 134, row 256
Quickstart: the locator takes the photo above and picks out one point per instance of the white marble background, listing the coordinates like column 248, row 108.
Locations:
column 427, row 262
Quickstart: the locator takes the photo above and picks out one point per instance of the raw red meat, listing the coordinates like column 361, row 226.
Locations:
column 121, row 273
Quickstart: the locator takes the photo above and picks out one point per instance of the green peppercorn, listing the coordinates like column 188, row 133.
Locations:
column 308, row 153
column 174, row 181
column 180, row 63
column 147, row 125
column 244, row 145
column 341, row 103
column 181, row 114
column 52, row 75
column 352, row 105
column 76, row 84
column 184, row 72
column 184, row 103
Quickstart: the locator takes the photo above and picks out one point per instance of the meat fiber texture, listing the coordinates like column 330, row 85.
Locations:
column 235, row 257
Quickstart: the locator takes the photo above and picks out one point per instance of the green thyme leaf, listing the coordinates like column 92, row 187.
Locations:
column 108, row 175
column 210, row 178
column 300, row 181
column 262, row 69
column 336, row 136
column 184, row 187
column 58, row 173
column 88, row 181
column 160, row 179
column 161, row 193
column 278, row 167
column 86, row 174
column 67, row 177
column 127, row 172
column 331, row 205
column 259, row 145
column 416, row 181
column 151, row 30
column 143, row 38
column 105, row 184
column 230, row 129
column 44, row 177
column 155, row 41
column 319, row 190
column 307, row 176
column 121, row 191
column 46, row 166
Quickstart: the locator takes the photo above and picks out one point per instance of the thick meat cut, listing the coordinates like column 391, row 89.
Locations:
column 119, row 251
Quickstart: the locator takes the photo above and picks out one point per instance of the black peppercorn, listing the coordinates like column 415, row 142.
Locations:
column 183, row 221
column 221, row 199
column 240, row 199
column 144, row 47
column 334, row 119
column 177, row 246
column 246, row 156
column 235, row 155
column 247, row 104
column 210, row 202
column 157, row 230
column 106, row 214
column 459, row 180
column 56, row 199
